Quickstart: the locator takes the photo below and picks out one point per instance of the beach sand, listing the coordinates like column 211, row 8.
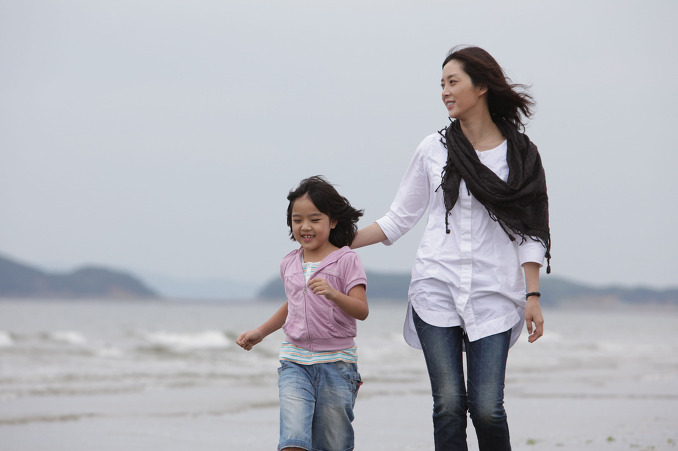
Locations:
column 383, row 422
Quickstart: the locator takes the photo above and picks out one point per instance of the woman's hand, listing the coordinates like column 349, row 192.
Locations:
column 534, row 320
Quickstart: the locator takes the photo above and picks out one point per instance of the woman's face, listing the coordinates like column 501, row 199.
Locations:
column 461, row 98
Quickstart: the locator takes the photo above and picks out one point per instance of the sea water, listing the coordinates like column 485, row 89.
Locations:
column 90, row 367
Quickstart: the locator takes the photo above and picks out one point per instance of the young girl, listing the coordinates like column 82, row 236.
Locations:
column 325, row 287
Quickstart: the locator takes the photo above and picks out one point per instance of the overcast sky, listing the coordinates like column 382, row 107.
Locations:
column 163, row 136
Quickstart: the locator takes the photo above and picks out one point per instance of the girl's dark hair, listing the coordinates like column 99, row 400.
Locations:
column 505, row 100
column 328, row 201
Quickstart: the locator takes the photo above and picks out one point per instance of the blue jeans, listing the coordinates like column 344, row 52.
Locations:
column 486, row 364
column 316, row 405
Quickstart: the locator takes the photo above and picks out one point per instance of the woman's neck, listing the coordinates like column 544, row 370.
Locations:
column 482, row 133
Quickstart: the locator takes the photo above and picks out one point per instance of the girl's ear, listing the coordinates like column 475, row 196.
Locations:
column 333, row 224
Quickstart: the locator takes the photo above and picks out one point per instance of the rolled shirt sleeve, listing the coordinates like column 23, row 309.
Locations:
column 531, row 251
column 411, row 200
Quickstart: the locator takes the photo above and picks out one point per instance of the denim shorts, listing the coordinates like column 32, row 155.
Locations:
column 316, row 405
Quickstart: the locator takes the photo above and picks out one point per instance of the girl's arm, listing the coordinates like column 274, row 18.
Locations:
column 353, row 304
column 248, row 339
column 368, row 235
column 534, row 319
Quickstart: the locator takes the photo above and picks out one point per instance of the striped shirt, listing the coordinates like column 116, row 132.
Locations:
column 302, row 356
column 305, row 357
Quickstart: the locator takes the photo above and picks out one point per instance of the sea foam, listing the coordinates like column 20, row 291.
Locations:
column 6, row 339
column 209, row 339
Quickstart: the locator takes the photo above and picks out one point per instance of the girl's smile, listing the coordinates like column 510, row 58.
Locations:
column 311, row 228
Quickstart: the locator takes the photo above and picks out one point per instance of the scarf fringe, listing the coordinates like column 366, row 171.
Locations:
column 523, row 237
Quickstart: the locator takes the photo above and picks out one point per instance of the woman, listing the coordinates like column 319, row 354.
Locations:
column 475, row 278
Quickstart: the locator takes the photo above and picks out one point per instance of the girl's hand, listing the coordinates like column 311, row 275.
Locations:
column 534, row 320
column 248, row 339
column 322, row 288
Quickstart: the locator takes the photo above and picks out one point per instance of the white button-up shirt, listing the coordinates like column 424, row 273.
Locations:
column 471, row 277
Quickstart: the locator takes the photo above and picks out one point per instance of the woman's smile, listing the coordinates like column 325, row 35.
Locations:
column 458, row 87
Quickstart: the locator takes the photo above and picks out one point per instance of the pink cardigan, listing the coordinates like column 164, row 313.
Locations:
column 314, row 322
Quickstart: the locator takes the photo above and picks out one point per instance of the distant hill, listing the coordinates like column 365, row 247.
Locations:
column 22, row 281
column 556, row 291
column 200, row 288
column 379, row 285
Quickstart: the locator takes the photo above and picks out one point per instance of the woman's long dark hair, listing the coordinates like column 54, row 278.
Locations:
column 519, row 205
column 328, row 201
column 507, row 101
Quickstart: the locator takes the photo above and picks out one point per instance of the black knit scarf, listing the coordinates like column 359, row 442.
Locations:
column 519, row 205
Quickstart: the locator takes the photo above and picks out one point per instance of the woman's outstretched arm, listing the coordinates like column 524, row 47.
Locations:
column 366, row 236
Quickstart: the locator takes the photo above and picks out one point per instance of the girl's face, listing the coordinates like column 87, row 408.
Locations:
column 461, row 98
column 311, row 229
